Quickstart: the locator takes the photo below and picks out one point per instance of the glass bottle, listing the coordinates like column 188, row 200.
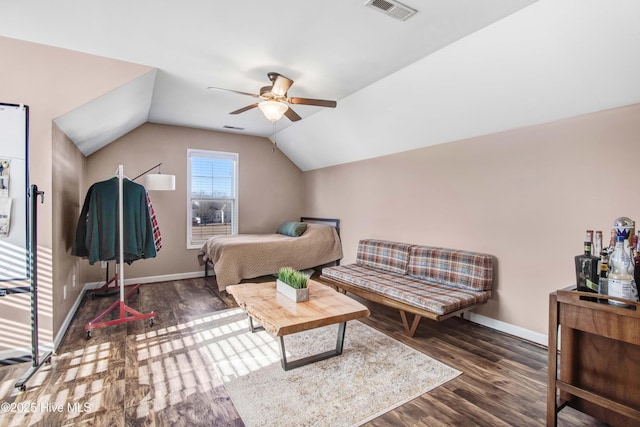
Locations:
column 632, row 269
column 587, row 270
column 612, row 240
column 636, row 258
column 604, row 274
column 596, row 248
column 619, row 281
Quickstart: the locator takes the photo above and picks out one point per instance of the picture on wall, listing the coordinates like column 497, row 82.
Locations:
column 5, row 216
column 4, row 177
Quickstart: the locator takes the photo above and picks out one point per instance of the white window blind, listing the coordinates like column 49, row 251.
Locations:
column 212, row 206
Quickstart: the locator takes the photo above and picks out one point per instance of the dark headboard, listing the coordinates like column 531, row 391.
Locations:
column 328, row 221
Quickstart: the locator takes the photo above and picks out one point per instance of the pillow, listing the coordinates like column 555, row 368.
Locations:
column 293, row 229
column 384, row 255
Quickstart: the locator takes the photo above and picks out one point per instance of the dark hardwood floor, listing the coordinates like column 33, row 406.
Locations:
column 135, row 374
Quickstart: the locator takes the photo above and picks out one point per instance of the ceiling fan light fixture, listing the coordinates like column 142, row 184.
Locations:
column 272, row 110
column 273, row 100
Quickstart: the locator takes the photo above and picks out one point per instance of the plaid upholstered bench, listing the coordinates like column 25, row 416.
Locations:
column 430, row 282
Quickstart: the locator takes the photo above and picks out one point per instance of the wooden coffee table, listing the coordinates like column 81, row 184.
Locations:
column 281, row 316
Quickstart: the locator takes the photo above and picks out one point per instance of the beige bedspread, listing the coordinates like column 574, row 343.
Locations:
column 246, row 256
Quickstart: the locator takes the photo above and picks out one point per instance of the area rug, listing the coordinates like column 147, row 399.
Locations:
column 374, row 374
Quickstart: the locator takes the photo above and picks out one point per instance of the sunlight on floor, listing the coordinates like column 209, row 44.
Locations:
column 154, row 371
column 80, row 388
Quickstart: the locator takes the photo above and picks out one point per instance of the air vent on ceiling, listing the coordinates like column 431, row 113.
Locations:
column 392, row 8
column 232, row 127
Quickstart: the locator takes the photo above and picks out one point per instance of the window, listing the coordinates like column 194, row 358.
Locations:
column 212, row 208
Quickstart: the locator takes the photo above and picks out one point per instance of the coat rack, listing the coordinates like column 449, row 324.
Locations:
column 152, row 182
column 126, row 313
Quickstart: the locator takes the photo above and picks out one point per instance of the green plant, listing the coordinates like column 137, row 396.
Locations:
column 292, row 277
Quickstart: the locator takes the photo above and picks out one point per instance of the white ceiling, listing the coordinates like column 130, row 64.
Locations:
column 456, row 69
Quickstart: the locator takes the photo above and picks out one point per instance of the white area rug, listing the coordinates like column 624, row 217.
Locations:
column 374, row 374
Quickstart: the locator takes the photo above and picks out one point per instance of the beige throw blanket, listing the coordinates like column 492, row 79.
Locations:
column 246, row 256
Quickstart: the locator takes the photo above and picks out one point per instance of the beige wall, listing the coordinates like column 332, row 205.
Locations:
column 526, row 196
column 68, row 169
column 270, row 187
column 51, row 82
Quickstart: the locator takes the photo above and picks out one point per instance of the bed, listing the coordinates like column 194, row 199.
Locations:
column 246, row 256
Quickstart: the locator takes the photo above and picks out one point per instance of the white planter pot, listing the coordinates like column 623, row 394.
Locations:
column 297, row 295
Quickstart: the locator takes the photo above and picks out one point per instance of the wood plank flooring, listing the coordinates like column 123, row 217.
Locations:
column 135, row 374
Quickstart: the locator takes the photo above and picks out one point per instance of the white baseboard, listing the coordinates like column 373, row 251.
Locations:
column 150, row 279
column 67, row 321
column 508, row 328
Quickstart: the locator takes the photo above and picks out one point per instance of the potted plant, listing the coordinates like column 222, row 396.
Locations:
column 292, row 284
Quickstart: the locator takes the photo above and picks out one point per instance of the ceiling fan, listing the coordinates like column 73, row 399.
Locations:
column 274, row 99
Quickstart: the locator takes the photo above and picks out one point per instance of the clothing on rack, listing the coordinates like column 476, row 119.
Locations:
column 157, row 237
column 97, row 230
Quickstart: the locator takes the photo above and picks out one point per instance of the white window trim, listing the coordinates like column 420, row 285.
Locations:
column 217, row 155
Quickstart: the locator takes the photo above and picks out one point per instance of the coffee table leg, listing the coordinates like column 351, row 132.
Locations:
column 252, row 328
column 286, row 365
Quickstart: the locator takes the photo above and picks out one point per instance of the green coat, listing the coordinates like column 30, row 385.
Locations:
column 97, row 231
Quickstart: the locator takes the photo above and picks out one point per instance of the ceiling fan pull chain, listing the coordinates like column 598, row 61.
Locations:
column 275, row 143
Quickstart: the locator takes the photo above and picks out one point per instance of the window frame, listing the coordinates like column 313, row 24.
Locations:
column 220, row 155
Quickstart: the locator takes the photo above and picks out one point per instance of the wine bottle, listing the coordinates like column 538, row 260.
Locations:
column 587, row 270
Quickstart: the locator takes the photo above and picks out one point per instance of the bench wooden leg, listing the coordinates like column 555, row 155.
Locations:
column 335, row 287
column 414, row 325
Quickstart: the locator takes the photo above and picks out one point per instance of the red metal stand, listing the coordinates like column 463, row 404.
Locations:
column 107, row 286
column 107, row 289
column 124, row 310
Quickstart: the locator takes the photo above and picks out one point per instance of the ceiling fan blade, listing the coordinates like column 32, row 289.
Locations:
column 235, row 91
column 247, row 108
column 281, row 85
column 292, row 115
column 316, row 102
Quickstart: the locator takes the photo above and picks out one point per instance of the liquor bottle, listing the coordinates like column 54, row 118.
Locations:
column 612, row 241
column 587, row 270
column 604, row 272
column 632, row 267
column 619, row 281
column 596, row 248
column 636, row 259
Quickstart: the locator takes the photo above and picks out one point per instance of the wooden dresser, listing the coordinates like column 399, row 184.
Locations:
column 599, row 359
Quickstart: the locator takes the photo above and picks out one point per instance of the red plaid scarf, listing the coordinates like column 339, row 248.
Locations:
column 157, row 238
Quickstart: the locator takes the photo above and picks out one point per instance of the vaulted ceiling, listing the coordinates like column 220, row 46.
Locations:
column 454, row 70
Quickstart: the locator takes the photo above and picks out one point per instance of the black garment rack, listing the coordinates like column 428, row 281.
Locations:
column 36, row 360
